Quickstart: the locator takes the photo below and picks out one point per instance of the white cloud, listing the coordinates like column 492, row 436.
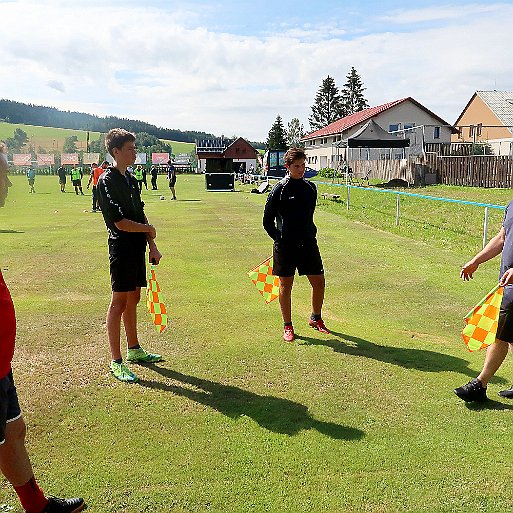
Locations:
column 152, row 64
column 55, row 84
column 438, row 13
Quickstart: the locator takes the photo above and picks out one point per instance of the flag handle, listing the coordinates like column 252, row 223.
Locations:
column 262, row 262
column 481, row 302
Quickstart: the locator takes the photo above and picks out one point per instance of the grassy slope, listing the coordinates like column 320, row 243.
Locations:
column 47, row 137
column 236, row 420
column 53, row 138
column 181, row 147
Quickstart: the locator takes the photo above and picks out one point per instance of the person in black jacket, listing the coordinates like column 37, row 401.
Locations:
column 129, row 233
column 288, row 219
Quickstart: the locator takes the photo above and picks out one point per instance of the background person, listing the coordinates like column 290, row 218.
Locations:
column 94, row 176
column 31, row 177
column 171, row 176
column 14, row 460
column 139, row 176
column 76, row 179
column 62, row 178
column 154, row 174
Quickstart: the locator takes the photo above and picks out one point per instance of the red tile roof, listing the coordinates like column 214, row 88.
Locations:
column 353, row 119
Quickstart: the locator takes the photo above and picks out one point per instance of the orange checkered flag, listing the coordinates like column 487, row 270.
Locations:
column 155, row 303
column 482, row 321
column 267, row 284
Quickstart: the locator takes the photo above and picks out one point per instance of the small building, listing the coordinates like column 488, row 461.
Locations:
column 220, row 160
column 406, row 118
column 488, row 117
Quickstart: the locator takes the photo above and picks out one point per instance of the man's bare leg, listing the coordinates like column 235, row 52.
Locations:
column 495, row 355
column 114, row 314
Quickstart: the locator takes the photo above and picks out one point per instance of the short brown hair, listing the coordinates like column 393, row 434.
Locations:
column 116, row 137
column 294, row 153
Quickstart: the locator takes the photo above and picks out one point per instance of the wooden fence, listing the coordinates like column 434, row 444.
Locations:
column 385, row 170
column 473, row 171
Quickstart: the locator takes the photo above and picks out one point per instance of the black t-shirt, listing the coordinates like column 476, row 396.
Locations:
column 289, row 210
column 119, row 198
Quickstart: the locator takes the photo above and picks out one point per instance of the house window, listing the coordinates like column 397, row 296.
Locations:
column 394, row 127
column 409, row 126
column 436, row 132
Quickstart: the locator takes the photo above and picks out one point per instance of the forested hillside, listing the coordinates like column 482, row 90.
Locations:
column 28, row 114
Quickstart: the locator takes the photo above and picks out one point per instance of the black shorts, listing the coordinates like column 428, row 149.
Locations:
column 306, row 258
column 505, row 325
column 172, row 182
column 77, row 183
column 9, row 405
column 127, row 272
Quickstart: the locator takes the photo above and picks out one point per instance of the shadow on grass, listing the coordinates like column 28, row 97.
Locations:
column 272, row 413
column 409, row 358
column 488, row 405
column 10, row 231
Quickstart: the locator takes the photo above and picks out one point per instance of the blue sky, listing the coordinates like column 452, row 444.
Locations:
column 229, row 67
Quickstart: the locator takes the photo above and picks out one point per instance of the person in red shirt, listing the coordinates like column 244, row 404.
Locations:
column 93, row 177
column 14, row 460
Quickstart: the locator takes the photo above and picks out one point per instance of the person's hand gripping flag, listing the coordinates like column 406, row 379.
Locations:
column 267, row 284
column 155, row 303
column 482, row 321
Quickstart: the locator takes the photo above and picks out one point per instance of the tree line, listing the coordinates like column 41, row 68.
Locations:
column 330, row 104
column 38, row 115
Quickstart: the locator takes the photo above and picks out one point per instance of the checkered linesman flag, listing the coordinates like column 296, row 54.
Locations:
column 267, row 284
column 155, row 302
column 482, row 321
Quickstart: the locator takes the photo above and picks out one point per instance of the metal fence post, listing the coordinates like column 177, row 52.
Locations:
column 348, row 196
column 485, row 226
column 397, row 209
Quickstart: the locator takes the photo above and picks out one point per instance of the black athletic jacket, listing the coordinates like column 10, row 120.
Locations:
column 289, row 210
column 119, row 198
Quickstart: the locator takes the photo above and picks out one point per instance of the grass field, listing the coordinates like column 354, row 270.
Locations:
column 235, row 420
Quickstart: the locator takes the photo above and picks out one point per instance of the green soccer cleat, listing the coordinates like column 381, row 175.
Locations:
column 141, row 356
column 122, row 372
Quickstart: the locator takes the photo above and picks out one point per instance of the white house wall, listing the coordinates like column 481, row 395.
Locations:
column 322, row 153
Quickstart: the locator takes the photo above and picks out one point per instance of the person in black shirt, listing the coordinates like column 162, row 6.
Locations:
column 129, row 233
column 154, row 175
column 288, row 219
column 62, row 178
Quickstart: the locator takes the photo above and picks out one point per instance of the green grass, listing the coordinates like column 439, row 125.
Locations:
column 438, row 223
column 235, row 420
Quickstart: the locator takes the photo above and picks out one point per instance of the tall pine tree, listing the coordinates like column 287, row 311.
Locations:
column 295, row 132
column 328, row 105
column 277, row 138
column 353, row 99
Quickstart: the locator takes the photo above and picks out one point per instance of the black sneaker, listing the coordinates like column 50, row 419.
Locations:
column 472, row 391
column 56, row 505
column 508, row 394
